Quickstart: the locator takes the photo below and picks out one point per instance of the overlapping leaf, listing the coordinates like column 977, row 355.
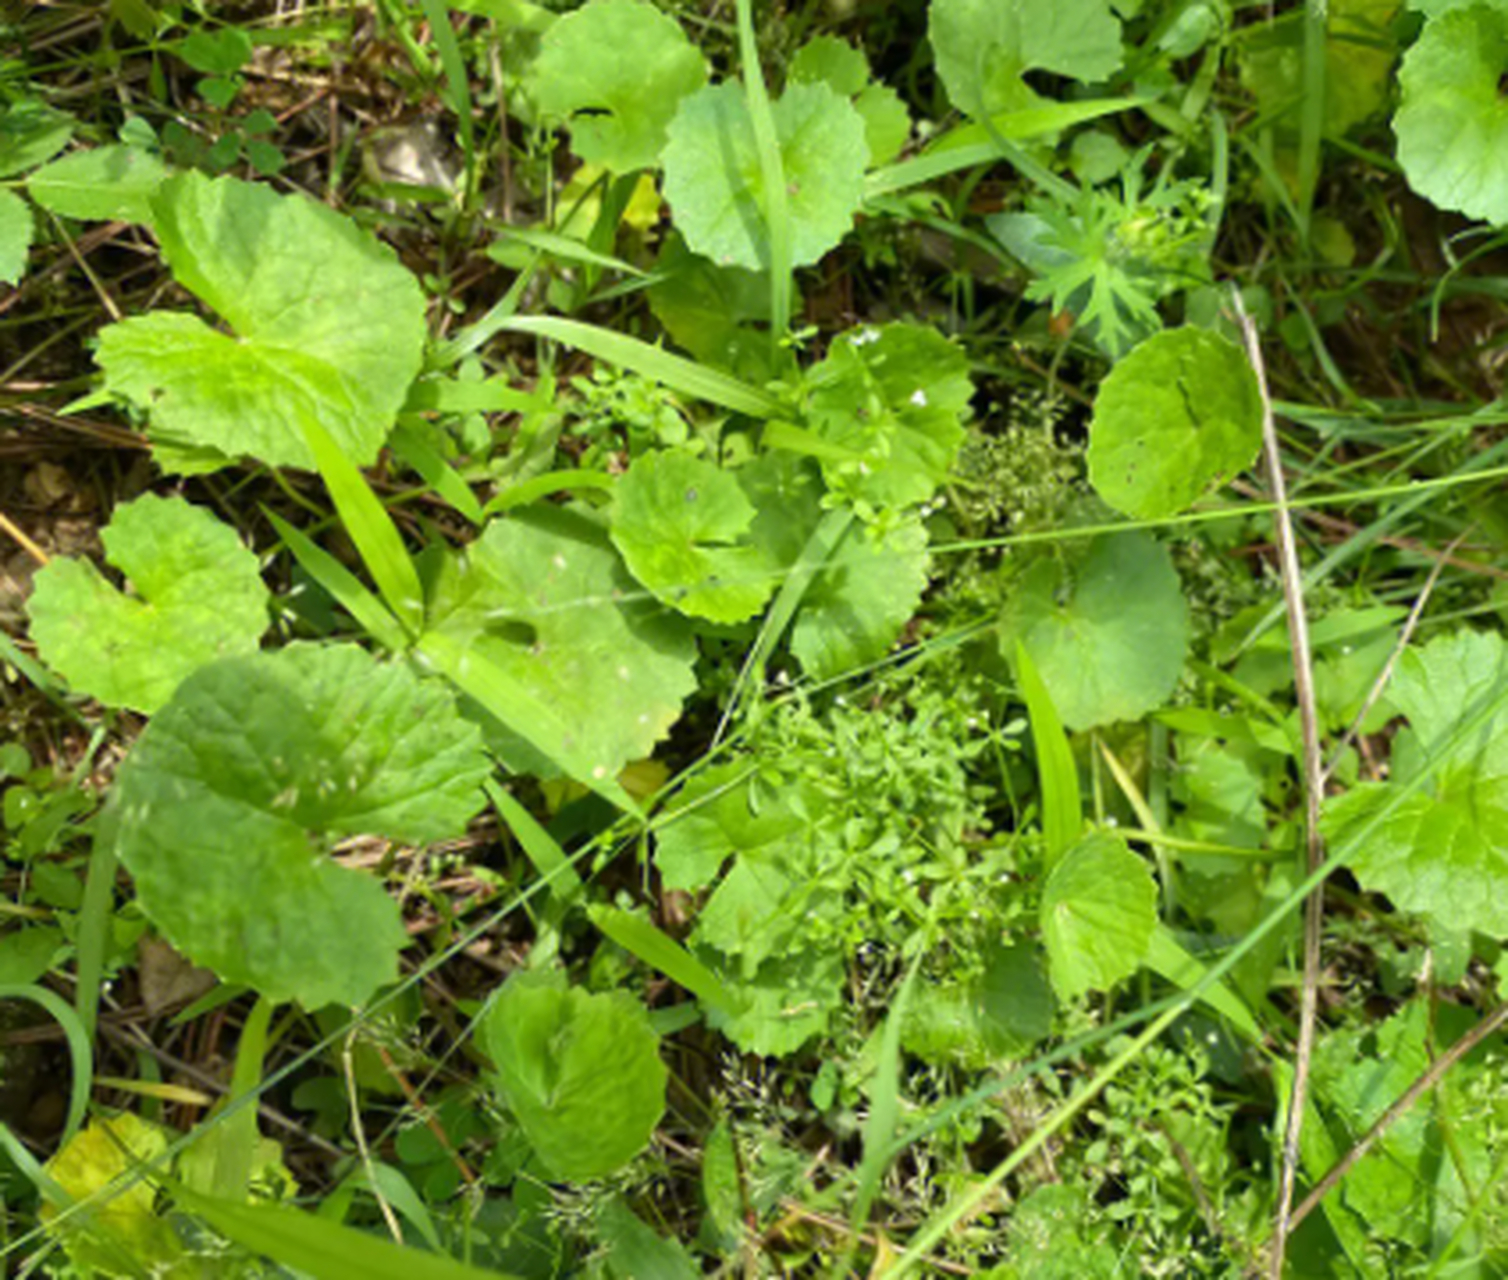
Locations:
column 1099, row 909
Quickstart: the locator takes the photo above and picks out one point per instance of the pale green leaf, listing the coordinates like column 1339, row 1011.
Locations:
column 1442, row 851
column 785, row 1003
column 197, row 595
column 717, row 815
column 616, row 70
column 1099, row 909
column 682, row 525
column 246, row 778
column 581, row 1072
column 1110, row 639
column 114, row 182
column 31, row 133
column 544, row 597
column 1179, row 414
column 16, row 230
column 983, row 47
column 1452, row 119
column 288, row 276
column 715, row 185
column 845, row 70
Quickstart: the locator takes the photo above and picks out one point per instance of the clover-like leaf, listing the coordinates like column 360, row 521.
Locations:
column 1112, row 645
column 16, row 231
column 682, row 524
column 983, row 47
column 543, row 595
column 326, row 326
column 1452, row 120
column 1099, row 909
column 1180, row 413
column 888, row 403
column 114, row 182
column 715, row 185
column 1443, row 850
column 580, row 1070
column 198, row 596
column 616, row 70
column 242, row 782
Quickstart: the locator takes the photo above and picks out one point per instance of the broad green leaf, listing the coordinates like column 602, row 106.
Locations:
column 1179, row 414
column 543, row 595
column 717, row 815
column 197, row 595
column 1110, row 638
column 634, row 1251
column 16, row 231
column 1442, row 851
column 890, row 400
column 31, row 133
column 1002, row 1014
column 325, row 325
column 682, row 524
column 785, row 1003
column 983, row 47
column 716, row 189
column 845, row 70
column 719, row 314
column 114, row 182
column 581, row 1071
column 1452, row 120
column 248, row 776
column 616, row 70
column 1099, row 909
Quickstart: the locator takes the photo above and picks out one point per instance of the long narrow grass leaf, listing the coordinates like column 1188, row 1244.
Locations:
column 80, row 1053
column 343, row 586
column 660, row 951
column 439, row 475
column 1062, row 804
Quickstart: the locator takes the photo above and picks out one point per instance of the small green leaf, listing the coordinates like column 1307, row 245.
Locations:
column 1180, row 413
column 845, row 70
column 1099, row 909
column 16, row 231
column 682, row 525
column 890, row 401
column 27, row 954
column 983, row 47
column 1442, row 851
column 1112, row 646
column 288, row 275
column 198, row 595
column 1452, row 120
column 114, row 183
column 715, row 185
column 616, row 70
column 245, row 779
column 581, row 1072
column 31, row 133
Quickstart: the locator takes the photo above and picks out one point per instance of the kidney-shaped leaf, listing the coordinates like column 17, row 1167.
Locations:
column 1180, row 413
column 1442, row 851
column 544, row 597
column 1099, row 909
column 198, row 596
column 581, row 1071
column 616, row 70
column 325, row 325
column 232, row 796
column 681, row 524
column 1112, row 647
column 716, row 187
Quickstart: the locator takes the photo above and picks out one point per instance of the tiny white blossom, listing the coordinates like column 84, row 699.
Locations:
column 919, row 398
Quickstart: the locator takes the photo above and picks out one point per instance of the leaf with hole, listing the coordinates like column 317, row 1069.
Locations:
column 325, row 324
column 233, row 798
column 197, row 595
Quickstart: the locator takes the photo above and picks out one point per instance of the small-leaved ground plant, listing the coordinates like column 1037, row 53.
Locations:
column 652, row 638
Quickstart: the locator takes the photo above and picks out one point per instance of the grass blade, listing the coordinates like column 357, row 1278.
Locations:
column 343, row 586
column 439, row 475
column 1062, row 804
column 660, row 951
column 454, row 66
column 777, row 209
column 80, row 1054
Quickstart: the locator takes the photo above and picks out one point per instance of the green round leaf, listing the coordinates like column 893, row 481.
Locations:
column 198, row 596
column 106, row 183
column 716, row 189
column 890, row 402
column 245, row 779
column 1099, row 909
column 616, row 70
column 544, row 596
column 982, row 47
column 1182, row 412
column 678, row 522
column 1443, row 851
column 1452, row 120
column 1111, row 645
column 16, row 231
column 327, row 326
column 580, row 1071
column 845, row 70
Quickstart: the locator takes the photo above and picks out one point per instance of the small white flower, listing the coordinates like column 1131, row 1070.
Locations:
column 919, row 398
